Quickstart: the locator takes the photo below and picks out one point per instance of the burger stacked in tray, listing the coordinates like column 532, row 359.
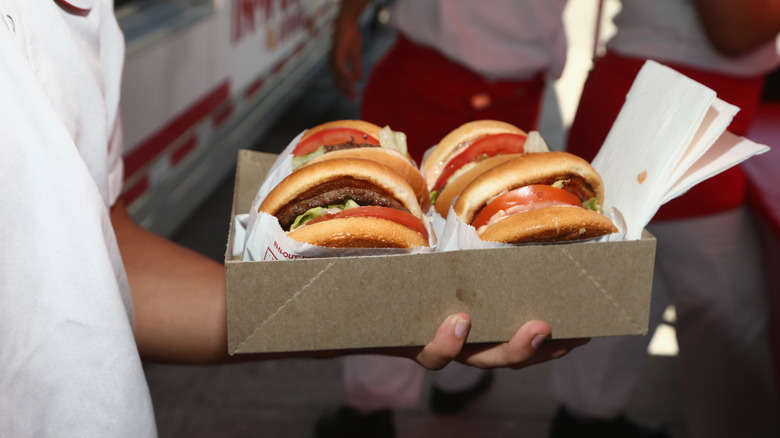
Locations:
column 536, row 197
column 506, row 185
column 353, row 185
column 466, row 152
column 348, row 189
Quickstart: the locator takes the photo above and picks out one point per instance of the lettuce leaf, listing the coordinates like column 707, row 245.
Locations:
column 317, row 212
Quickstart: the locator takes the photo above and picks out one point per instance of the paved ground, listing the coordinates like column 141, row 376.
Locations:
column 284, row 399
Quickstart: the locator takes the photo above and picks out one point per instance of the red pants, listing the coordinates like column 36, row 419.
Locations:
column 418, row 91
column 603, row 96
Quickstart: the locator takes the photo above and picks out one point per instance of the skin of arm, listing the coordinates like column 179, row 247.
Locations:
column 346, row 62
column 180, row 313
column 738, row 26
column 178, row 296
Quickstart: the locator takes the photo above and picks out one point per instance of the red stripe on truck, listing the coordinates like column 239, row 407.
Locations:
column 183, row 150
column 159, row 141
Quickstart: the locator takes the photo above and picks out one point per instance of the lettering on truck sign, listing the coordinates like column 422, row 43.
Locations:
column 249, row 15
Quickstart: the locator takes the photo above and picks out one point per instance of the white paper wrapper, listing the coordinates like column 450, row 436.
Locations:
column 264, row 239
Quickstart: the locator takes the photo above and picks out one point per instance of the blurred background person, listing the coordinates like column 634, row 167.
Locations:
column 453, row 61
column 708, row 255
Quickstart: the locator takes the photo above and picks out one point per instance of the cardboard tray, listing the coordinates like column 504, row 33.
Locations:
column 582, row 289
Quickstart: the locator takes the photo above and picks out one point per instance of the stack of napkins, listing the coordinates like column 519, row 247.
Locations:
column 669, row 136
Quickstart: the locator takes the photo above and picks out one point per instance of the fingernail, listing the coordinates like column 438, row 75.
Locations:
column 538, row 340
column 461, row 328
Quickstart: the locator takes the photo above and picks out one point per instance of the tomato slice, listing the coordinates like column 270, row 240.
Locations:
column 393, row 214
column 526, row 198
column 484, row 147
column 331, row 136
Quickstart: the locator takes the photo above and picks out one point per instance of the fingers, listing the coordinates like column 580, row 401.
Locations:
column 343, row 72
column 529, row 346
column 346, row 63
column 447, row 343
column 514, row 353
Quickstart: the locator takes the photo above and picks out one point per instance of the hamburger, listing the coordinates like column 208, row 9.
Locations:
column 348, row 203
column 345, row 134
column 463, row 148
column 536, row 197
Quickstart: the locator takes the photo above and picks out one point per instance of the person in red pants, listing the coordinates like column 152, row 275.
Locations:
column 708, row 254
column 453, row 61
column 431, row 95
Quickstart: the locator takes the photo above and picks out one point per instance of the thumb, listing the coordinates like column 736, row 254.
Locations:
column 447, row 343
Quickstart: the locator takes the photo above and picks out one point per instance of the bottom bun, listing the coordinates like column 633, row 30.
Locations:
column 552, row 224
column 359, row 232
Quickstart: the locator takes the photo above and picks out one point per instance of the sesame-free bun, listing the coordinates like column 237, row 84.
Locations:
column 367, row 127
column 304, row 182
column 320, row 183
column 464, row 133
column 550, row 224
column 359, row 232
column 530, row 168
column 456, row 184
column 390, row 158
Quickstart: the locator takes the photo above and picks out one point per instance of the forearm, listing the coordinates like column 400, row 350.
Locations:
column 178, row 296
column 737, row 26
column 179, row 299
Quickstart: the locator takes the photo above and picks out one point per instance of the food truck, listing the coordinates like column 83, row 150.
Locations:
column 202, row 79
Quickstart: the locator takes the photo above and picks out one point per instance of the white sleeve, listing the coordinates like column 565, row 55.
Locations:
column 68, row 362
column 115, row 176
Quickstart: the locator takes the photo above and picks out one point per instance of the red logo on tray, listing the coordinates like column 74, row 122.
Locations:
column 277, row 249
column 269, row 255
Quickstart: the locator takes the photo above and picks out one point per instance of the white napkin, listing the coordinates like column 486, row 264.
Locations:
column 669, row 136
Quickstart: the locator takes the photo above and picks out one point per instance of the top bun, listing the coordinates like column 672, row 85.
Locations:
column 456, row 185
column 304, row 182
column 361, row 125
column 531, row 168
column 465, row 133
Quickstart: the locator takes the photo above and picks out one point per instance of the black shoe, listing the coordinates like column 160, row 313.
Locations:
column 349, row 423
column 565, row 425
column 450, row 403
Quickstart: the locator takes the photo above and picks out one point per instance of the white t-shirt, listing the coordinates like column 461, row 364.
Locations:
column 670, row 30
column 500, row 39
column 69, row 366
